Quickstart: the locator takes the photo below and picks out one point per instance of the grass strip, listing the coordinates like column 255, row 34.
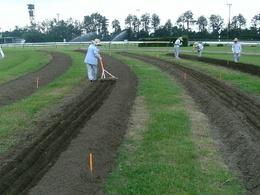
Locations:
column 166, row 159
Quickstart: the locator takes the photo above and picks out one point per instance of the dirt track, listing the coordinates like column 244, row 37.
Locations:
column 23, row 86
column 56, row 161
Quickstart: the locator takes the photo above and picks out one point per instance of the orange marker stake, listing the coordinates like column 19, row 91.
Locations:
column 90, row 162
column 91, row 165
column 185, row 76
column 37, row 82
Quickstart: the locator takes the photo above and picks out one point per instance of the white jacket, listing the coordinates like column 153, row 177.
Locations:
column 236, row 47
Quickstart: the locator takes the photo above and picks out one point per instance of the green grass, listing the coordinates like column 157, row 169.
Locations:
column 166, row 160
column 18, row 62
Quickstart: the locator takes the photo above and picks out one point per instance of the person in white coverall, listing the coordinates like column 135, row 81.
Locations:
column 199, row 48
column 91, row 59
column 236, row 49
column 2, row 55
column 177, row 45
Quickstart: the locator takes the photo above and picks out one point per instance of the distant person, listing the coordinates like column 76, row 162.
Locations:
column 177, row 45
column 91, row 59
column 236, row 49
column 199, row 47
column 2, row 55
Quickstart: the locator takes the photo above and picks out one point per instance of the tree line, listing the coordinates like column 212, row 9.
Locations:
column 147, row 26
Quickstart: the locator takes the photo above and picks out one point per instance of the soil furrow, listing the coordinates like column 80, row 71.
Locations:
column 233, row 114
column 20, row 176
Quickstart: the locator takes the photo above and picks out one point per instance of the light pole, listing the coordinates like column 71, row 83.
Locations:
column 229, row 5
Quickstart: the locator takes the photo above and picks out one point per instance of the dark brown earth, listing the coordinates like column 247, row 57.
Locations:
column 55, row 159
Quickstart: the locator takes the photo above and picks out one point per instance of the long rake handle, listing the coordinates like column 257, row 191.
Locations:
column 103, row 69
column 102, row 66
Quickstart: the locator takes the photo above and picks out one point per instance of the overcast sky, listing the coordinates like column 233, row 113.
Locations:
column 15, row 12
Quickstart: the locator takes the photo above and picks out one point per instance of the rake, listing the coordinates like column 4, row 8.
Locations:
column 104, row 72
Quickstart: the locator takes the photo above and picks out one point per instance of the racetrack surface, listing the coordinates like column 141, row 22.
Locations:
column 55, row 161
column 234, row 117
column 26, row 85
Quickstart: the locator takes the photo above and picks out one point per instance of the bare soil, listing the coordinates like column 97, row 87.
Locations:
column 55, row 159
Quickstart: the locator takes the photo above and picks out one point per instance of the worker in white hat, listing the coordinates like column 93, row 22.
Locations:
column 199, row 47
column 236, row 49
column 177, row 45
column 91, row 59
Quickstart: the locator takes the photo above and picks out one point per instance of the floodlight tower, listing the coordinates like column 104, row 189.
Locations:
column 31, row 13
column 229, row 5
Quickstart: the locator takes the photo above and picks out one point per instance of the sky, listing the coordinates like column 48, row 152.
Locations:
column 15, row 12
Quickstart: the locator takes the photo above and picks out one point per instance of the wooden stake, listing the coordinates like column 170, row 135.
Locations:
column 37, row 82
column 227, row 62
column 90, row 162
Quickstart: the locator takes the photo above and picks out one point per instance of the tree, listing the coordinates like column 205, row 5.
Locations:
column 216, row 23
column 129, row 20
column 180, row 22
column 238, row 22
column 202, row 23
column 145, row 20
column 255, row 29
column 186, row 18
column 116, row 26
column 255, row 21
column 165, row 30
column 104, row 26
column 96, row 23
column 136, row 24
column 168, row 27
column 155, row 21
column 87, row 24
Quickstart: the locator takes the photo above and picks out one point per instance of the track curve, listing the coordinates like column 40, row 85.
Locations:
column 23, row 86
column 234, row 116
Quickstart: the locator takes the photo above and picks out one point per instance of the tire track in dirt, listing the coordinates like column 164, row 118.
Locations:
column 24, row 171
column 23, row 86
column 234, row 117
